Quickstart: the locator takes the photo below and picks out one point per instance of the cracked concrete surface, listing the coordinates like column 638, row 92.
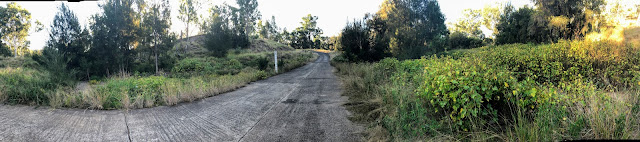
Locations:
column 301, row 105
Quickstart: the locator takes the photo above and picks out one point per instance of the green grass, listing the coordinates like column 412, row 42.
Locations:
column 568, row 90
column 192, row 79
column 24, row 86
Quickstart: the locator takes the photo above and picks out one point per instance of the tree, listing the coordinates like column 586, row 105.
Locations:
column 362, row 41
column 4, row 50
column 15, row 23
column 460, row 40
column 516, row 26
column 475, row 19
column 248, row 15
column 334, row 42
column 469, row 24
column 188, row 14
column 220, row 35
column 157, row 23
column 569, row 19
column 413, row 27
column 66, row 37
column 356, row 41
column 269, row 30
column 308, row 35
column 115, row 33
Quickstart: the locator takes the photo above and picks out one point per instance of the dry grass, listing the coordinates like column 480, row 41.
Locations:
column 632, row 35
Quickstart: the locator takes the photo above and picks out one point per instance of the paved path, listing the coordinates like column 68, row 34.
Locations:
column 301, row 105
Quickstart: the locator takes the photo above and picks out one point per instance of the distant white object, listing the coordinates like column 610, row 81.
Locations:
column 275, row 57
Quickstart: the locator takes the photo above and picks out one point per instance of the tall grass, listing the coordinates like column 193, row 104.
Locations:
column 562, row 91
column 24, row 85
column 195, row 79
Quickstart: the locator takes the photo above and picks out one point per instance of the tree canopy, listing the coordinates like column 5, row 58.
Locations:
column 66, row 36
column 115, row 33
column 15, row 23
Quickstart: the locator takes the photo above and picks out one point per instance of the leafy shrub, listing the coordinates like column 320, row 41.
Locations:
column 609, row 63
column 459, row 40
column 460, row 89
column 191, row 65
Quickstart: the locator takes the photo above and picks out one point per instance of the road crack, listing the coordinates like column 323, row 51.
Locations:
column 126, row 123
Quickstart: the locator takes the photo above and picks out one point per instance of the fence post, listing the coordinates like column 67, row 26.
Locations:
column 275, row 57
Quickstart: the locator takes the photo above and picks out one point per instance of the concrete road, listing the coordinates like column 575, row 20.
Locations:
column 301, row 105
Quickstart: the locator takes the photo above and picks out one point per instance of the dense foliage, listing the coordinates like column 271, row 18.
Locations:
column 509, row 92
column 133, row 37
column 460, row 40
column 15, row 23
column 190, row 79
column 407, row 29
column 514, row 27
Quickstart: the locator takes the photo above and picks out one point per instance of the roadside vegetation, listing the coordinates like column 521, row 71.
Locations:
column 143, row 64
column 538, row 77
column 501, row 93
column 190, row 79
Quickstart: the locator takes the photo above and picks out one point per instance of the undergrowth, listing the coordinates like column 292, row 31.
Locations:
column 563, row 91
column 191, row 79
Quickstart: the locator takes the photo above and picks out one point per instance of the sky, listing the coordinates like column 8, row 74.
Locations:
column 333, row 14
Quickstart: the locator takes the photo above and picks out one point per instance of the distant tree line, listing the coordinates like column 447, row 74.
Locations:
column 409, row 29
column 134, row 35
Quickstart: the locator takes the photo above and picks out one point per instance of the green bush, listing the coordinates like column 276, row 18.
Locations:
column 516, row 92
column 459, row 40
column 610, row 64
column 192, row 65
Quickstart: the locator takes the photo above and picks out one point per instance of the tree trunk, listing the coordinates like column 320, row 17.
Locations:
column 185, row 49
column 188, row 21
column 15, row 53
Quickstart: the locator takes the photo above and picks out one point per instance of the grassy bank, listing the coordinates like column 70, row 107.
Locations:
column 190, row 79
column 567, row 90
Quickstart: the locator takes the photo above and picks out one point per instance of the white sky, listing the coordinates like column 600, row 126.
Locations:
column 332, row 14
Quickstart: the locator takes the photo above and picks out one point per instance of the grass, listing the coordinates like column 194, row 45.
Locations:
column 193, row 79
column 190, row 80
column 564, row 91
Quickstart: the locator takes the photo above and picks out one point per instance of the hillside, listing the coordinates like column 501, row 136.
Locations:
column 196, row 45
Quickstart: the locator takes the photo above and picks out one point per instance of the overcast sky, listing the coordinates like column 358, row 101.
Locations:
column 332, row 14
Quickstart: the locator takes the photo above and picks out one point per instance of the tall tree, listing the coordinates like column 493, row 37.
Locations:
column 222, row 34
column 4, row 50
column 156, row 24
column 475, row 19
column 515, row 26
column 15, row 23
column 65, row 37
column 248, row 15
column 188, row 14
column 569, row 19
column 414, row 27
column 469, row 24
column 115, row 32
column 308, row 35
column 268, row 29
